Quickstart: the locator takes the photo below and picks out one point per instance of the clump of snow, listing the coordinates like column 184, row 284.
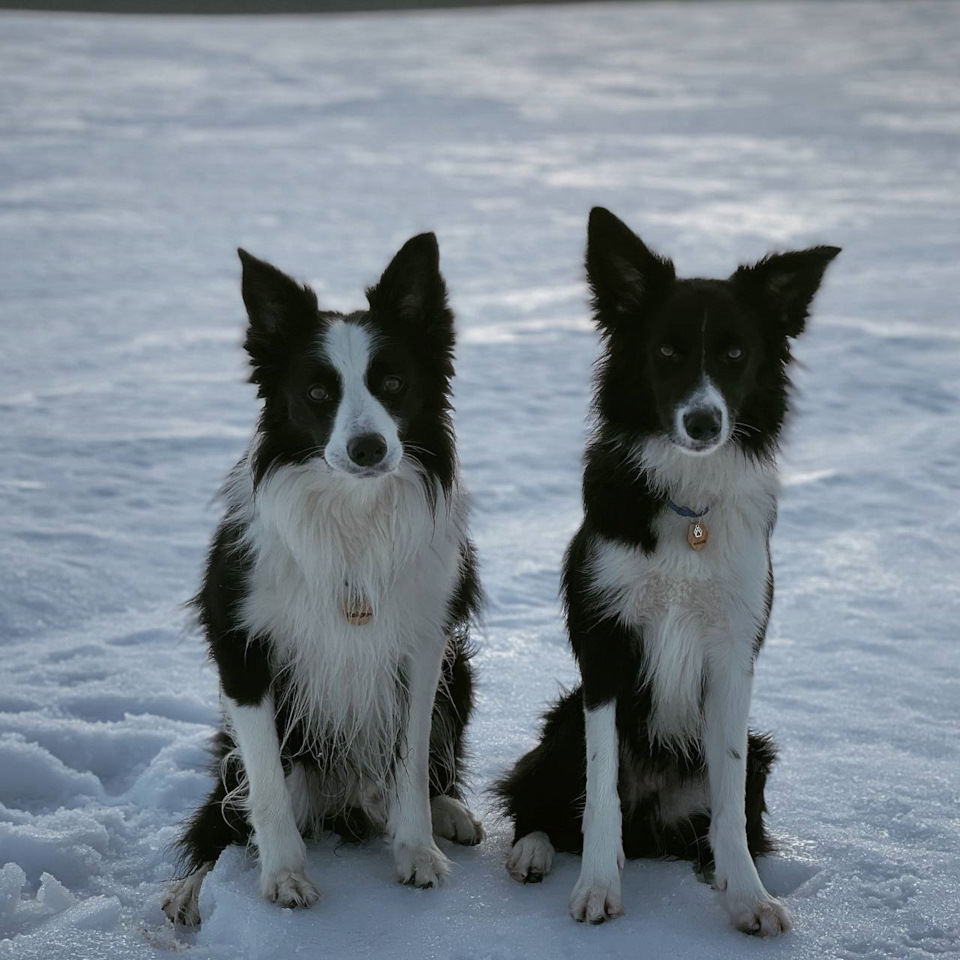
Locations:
column 137, row 153
column 12, row 879
column 18, row 911
column 34, row 775
column 69, row 843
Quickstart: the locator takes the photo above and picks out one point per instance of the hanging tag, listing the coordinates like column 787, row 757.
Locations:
column 357, row 610
column 697, row 535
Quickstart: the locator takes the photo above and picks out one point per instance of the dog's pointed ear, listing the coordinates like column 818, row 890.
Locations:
column 411, row 289
column 270, row 296
column 625, row 276
column 786, row 283
column 276, row 306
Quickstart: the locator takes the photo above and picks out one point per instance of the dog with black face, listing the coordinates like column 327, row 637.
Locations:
column 667, row 585
column 339, row 590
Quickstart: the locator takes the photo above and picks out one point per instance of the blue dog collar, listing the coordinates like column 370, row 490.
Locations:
column 686, row 511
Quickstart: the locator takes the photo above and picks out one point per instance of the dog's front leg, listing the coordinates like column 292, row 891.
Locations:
column 726, row 709
column 283, row 876
column 603, row 647
column 597, row 893
column 419, row 861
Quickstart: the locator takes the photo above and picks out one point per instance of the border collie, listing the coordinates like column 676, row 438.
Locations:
column 339, row 589
column 667, row 585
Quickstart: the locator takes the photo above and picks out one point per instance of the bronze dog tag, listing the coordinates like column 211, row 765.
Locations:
column 697, row 535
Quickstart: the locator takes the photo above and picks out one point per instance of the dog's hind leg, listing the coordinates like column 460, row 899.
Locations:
column 451, row 818
column 215, row 825
column 676, row 822
column 543, row 794
column 182, row 902
column 761, row 756
column 530, row 858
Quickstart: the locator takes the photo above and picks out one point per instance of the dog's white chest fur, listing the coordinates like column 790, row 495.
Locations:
column 693, row 609
column 314, row 539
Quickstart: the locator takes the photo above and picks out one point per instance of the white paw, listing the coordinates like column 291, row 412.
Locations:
column 182, row 902
column 531, row 858
column 596, row 899
column 763, row 916
column 453, row 821
column 420, row 865
column 289, row 888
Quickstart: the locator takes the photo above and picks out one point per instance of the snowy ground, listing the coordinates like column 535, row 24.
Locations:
column 136, row 154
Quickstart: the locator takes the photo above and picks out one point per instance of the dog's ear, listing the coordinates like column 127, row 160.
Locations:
column 786, row 283
column 270, row 296
column 625, row 276
column 411, row 290
column 276, row 305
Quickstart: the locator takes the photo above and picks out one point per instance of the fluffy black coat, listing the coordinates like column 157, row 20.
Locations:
column 413, row 324
column 657, row 345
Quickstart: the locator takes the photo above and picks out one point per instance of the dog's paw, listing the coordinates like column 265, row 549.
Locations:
column 420, row 865
column 289, row 888
column 531, row 858
column 182, row 902
column 596, row 899
column 453, row 821
column 762, row 916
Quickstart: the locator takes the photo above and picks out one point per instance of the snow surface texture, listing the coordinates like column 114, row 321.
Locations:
column 135, row 154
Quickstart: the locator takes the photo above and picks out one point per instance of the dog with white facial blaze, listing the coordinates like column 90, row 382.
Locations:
column 667, row 585
column 339, row 590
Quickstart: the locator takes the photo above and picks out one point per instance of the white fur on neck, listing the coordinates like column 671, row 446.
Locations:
column 316, row 537
column 689, row 606
column 728, row 476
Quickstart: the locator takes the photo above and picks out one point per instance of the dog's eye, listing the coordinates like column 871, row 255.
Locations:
column 392, row 384
column 666, row 350
column 317, row 393
column 735, row 353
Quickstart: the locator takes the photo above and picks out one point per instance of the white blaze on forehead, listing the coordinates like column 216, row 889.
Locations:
column 349, row 348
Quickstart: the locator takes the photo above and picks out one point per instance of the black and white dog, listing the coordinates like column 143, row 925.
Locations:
column 667, row 585
column 339, row 589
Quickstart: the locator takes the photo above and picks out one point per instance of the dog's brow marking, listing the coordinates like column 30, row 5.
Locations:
column 348, row 347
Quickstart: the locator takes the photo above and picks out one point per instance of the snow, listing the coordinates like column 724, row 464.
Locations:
column 137, row 153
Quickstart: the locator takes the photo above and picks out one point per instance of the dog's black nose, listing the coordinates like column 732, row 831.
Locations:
column 367, row 450
column 702, row 425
